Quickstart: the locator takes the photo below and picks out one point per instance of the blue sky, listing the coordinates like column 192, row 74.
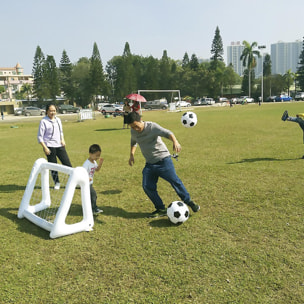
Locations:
column 149, row 26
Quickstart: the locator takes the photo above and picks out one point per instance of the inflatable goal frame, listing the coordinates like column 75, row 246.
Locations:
column 77, row 177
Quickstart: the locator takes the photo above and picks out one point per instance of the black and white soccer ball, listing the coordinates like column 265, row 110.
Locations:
column 178, row 212
column 189, row 119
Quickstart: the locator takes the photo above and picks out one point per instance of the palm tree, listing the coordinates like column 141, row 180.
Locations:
column 27, row 90
column 289, row 78
column 248, row 58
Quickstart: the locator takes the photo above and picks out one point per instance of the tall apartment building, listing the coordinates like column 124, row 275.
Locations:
column 234, row 52
column 285, row 56
column 259, row 64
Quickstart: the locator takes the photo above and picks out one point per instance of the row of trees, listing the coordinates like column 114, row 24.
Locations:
column 78, row 82
column 86, row 80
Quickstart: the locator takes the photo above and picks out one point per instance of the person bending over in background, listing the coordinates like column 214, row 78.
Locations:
column 298, row 119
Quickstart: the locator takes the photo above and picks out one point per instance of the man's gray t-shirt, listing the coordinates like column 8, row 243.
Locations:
column 150, row 142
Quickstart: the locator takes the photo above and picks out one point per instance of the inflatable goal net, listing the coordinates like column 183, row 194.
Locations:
column 52, row 209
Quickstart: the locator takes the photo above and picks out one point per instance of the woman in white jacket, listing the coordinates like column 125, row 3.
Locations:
column 50, row 137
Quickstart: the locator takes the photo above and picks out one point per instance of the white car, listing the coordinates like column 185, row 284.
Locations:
column 209, row 101
column 182, row 103
column 204, row 101
column 299, row 96
column 247, row 99
column 112, row 109
column 18, row 111
column 223, row 99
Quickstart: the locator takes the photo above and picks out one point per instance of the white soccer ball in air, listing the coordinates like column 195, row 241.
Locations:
column 178, row 212
column 189, row 119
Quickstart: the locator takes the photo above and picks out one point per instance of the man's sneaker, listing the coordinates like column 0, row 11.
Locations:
column 285, row 115
column 97, row 210
column 158, row 213
column 57, row 186
column 193, row 206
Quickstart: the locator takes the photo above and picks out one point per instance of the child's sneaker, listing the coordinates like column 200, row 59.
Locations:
column 285, row 115
column 57, row 186
column 97, row 211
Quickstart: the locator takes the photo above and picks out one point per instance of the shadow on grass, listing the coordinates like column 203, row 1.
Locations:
column 258, row 159
column 113, row 191
column 104, row 130
column 162, row 223
column 11, row 188
column 119, row 212
column 23, row 224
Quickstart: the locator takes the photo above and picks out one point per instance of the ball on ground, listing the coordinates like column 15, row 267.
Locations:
column 178, row 212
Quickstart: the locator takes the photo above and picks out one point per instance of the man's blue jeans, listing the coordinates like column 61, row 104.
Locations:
column 300, row 121
column 164, row 169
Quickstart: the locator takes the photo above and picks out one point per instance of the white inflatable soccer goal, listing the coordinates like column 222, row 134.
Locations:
column 52, row 209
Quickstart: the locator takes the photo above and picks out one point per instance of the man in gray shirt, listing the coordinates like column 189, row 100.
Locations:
column 158, row 161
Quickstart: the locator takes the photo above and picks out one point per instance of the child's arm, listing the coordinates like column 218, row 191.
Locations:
column 99, row 164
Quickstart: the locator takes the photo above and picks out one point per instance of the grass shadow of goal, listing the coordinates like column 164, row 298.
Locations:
column 23, row 225
column 11, row 188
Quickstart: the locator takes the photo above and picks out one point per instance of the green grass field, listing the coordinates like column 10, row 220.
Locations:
column 242, row 165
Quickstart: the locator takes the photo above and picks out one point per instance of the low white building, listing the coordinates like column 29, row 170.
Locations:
column 12, row 79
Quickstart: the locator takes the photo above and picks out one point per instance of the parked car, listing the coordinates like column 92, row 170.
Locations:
column 209, row 101
column 271, row 98
column 68, row 109
column 100, row 104
column 197, row 102
column 112, row 109
column 299, row 96
column 18, row 111
column 156, row 104
column 182, row 103
column 240, row 100
column 204, row 101
column 32, row 111
column 223, row 99
column 283, row 98
column 246, row 99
